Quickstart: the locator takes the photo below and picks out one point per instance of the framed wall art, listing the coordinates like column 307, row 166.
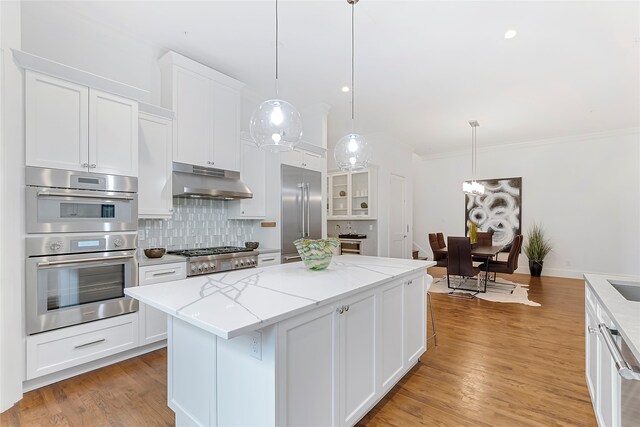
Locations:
column 498, row 210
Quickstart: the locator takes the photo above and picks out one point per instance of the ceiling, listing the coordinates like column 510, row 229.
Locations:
column 423, row 68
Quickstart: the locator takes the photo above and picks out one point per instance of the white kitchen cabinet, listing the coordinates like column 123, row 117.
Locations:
column 303, row 159
column 153, row 322
column 53, row 351
column 266, row 260
column 70, row 126
column 358, row 376
column 352, row 195
column 207, row 106
column 414, row 319
column 252, row 173
column 155, row 144
column 390, row 345
column 603, row 380
column 307, row 347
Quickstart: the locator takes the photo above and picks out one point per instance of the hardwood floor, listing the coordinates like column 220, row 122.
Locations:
column 499, row 364
column 496, row 364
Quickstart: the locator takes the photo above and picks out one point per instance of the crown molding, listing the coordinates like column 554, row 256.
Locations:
column 535, row 143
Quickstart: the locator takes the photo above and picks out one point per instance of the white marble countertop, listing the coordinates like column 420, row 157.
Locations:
column 267, row 250
column 165, row 259
column 624, row 313
column 237, row 302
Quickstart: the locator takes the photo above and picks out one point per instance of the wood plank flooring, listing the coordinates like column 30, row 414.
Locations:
column 496, row 364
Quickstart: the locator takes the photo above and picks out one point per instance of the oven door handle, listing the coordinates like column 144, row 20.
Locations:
column 83, row 260
column 45, row 193
column 624, row 369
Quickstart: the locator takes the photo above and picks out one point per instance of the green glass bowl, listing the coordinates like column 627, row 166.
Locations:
column 316, row 254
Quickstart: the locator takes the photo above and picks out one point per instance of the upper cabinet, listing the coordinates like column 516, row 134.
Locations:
column 352, row 195
column 303, row 159
column 252, row 173
column 155, row 142
column 74, row 127
column 207, row 107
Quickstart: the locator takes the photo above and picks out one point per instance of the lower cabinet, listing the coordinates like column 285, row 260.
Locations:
column 358, row 349
column 64, row 348
column 153, row 322
column 602, row 377
column 265, row 260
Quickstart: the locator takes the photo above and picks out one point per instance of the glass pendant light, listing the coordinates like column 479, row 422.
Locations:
column 276, row 125
column 473, row 188
column 352, row 151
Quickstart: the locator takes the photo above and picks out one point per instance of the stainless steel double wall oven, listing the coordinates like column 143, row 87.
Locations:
column 81, row 247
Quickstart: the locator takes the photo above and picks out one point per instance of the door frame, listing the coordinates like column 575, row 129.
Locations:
column 405, row 215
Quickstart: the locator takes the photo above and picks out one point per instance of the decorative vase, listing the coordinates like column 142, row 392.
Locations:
column 535, row 267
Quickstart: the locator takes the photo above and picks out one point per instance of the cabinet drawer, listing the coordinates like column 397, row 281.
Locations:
column 151, row 274
column 53, row 351
column 265, row 260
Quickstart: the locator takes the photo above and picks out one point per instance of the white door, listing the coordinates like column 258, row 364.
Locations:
column 398, row 227
column 307, row 373
column 391, row 336
column 57, row 123
column 113, row 134
column 358, row 374
column 194, row 118
column 226, row 127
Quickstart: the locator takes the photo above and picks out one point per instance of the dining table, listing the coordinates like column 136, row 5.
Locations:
column 487, row 252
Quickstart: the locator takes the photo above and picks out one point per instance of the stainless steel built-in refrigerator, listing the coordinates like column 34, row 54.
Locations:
column 301, row 208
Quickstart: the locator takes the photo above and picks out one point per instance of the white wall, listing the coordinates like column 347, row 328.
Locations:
column 12, row 213
column 390, row 158
column 584, row 190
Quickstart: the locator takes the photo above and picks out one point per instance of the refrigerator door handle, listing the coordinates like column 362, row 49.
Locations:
column 308, row 208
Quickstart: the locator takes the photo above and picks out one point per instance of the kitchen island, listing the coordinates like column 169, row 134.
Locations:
column 284, row 345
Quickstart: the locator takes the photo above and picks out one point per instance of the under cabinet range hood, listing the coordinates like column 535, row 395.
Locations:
column 208, row 183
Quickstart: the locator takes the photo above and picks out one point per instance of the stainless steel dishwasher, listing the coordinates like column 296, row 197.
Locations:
column 628, row 368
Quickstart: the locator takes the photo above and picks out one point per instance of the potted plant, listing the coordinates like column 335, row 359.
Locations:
column 536, row 249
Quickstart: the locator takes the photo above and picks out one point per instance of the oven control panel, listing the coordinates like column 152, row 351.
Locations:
column 58, row 244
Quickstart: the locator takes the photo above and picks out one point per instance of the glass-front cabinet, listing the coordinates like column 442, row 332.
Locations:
column 351, row 195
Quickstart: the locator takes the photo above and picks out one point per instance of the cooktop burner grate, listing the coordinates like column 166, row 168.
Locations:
column 210, row 251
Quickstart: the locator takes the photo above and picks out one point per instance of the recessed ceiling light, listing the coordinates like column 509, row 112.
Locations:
column 509, row 34
column 345, row 88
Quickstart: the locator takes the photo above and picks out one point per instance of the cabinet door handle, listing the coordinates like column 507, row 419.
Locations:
column 410, row 282
column 346, row 308
column 592, row 330
column 340, row 310
column 164, row 273
column 90, row 343
column 267, row 259
column 84, row 165
column 92, row 166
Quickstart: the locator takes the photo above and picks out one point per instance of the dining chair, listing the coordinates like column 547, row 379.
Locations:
column 441, row 240
column 439, row 258
column 484, row 238
column 460, row 263
column 508, row 266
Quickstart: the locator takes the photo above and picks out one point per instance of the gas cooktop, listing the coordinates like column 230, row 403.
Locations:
column 218, row 259
column 210, row 251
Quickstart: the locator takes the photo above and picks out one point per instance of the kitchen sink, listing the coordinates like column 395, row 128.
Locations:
column 629, row 290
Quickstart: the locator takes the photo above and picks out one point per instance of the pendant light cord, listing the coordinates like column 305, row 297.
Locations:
column 473, row 153
column 352, row 67
column 277, row 40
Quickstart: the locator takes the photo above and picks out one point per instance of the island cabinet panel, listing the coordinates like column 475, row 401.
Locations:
column 357, row 357
column 390, row 344
column 414, row 319
column 192, row 374
column 307, row 374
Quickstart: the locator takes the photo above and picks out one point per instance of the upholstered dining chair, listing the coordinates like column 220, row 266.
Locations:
column 439, row 258
column 459, row 262
column 441, row 240
column 511, row 264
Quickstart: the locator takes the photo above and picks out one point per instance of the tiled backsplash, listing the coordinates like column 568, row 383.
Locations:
column 196, row 223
